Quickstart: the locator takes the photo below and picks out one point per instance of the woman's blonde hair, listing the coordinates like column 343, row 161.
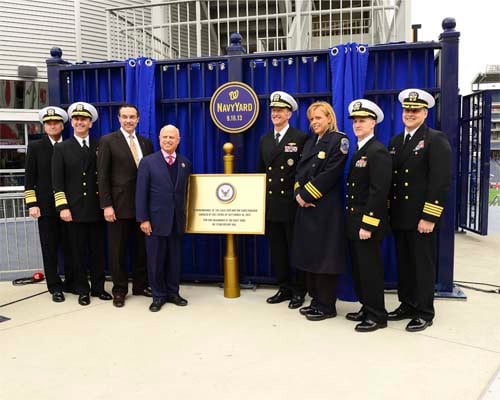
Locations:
column 326, row 109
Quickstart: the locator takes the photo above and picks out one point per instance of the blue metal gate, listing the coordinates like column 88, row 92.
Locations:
column 474, row 166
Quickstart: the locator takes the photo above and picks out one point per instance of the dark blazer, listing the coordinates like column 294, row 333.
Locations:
column 279, row 163
column 421, row 177
column 368, row 185
column 117, row 172
column 74, row 179
column 319, row 232
column 38, row 178
column 158, row 199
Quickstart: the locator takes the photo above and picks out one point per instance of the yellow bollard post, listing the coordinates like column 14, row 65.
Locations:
column 231, row 273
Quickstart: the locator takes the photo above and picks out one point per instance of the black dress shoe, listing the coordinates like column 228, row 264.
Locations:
column 417, row 324
column 58, row 297
column 119, row 300
column 177, row 300
column 279, row 297
column 400, row 313
column 296, row 302
column 103, row 295
column 146, row 292
column 318, row 315
column 156, row 305
column 369, row 326
column 305, row 310
column 355, row 316
column 84, row 299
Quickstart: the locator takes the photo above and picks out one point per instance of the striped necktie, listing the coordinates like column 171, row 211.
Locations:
column 133, row 149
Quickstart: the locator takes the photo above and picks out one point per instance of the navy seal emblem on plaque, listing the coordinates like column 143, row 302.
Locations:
column 225, row 192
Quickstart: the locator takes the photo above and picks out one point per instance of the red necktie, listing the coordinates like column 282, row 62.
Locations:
column 170, row 159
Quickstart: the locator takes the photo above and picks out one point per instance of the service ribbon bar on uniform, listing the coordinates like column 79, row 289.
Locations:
column 433, row 209
column 30, row 196
column 60, row 198
column 313, row 191
column 370, row 220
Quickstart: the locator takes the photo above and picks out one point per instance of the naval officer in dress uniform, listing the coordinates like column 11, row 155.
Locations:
column 368, row 184
column 279, row 154
column 40, row 201
column 421, row 180
column 74, row 178
column 319, row 246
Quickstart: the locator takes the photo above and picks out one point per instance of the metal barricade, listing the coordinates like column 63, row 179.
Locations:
column 20, row 252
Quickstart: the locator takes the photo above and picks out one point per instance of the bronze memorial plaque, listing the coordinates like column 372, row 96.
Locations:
column 226, row 204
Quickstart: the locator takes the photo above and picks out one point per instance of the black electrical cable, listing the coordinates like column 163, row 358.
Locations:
column 36, row 278
column 461, row 284
column 24, row 298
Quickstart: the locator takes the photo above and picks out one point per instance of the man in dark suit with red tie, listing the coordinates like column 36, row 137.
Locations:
column 74, row 179
column 40, row 201
column 279, row 154
column 117, row 160
column 161, row 191
column 421, row 180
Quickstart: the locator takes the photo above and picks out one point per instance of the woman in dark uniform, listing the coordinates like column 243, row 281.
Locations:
column 319, row 237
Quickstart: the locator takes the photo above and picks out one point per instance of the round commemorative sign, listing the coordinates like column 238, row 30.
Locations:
column 234, row 107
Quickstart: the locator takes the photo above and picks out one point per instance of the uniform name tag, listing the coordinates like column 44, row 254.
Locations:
column 291, row 149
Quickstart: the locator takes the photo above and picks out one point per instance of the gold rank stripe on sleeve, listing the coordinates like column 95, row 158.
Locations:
column 60, row 198
column 296, row 186
column 313, row 191
column 370, row 220
column 30, row 196
column 433, row 209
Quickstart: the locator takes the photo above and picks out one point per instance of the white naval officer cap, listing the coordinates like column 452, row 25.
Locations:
column 82, row 109
column 52, row 113
column 416, row 98
column 283, row 100
column 365, row 108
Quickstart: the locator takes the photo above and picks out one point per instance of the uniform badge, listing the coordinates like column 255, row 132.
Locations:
column 291, row 148
column 362, row 162
column 344, row 145
column 321, row 155
column 420, row 145
column 290, row 162
column 392, row 151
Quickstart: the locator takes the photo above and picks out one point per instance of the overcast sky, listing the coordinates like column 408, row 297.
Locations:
column 478, row 23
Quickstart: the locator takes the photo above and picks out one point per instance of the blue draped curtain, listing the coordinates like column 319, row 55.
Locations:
column 348, row 67
column 140, row 90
